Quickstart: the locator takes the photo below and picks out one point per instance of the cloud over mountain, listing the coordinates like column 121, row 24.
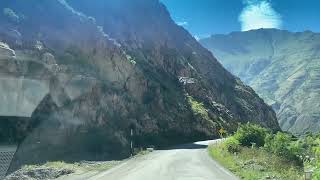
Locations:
column 259, row 14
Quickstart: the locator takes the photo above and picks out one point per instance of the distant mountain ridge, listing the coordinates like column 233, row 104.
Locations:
column 282, row 66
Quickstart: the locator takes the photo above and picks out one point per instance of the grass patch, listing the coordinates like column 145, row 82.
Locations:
column 255, row 163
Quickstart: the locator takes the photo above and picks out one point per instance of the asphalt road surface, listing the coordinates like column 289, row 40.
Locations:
column 185, row 162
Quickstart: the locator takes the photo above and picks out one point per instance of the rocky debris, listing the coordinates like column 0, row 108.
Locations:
column 58, row 169
column 48, row 59
column 222, row 110
column 38, row 45
column 186, row 80
column 271, row 177
column 252, row 164
column 97, row 165
column 41, row 173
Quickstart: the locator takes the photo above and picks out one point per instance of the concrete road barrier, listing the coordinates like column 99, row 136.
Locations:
column 6, row 156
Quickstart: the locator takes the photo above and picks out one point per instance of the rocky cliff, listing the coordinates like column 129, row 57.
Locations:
column 283, row 67
column 87, row 72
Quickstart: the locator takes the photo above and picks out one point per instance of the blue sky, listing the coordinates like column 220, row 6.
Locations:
column 205, row 17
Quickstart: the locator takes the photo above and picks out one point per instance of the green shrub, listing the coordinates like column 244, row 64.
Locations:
column 250, row 134
column 282, row 145
column 268, row 142
column 317, row 148
column 279, row 144
column 317, row 159
column 232, row 145
column 316, row 175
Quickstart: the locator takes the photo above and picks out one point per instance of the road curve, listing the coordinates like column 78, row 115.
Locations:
column 185, row 162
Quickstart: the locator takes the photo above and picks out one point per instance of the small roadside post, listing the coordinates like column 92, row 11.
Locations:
column 308, row 174
column 131, row 139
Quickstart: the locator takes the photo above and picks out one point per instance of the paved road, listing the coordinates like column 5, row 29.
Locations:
column 186, row 162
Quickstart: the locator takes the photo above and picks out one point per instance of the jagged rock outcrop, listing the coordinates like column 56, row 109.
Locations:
column 5, row 51
column 283, row 67
column 110, row 68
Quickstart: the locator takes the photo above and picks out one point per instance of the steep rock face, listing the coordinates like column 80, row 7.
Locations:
column 283, row 67
column 105, row 68
column 153, row 38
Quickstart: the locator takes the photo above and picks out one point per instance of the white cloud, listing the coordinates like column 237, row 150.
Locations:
column 259, row 14
column 183, row 23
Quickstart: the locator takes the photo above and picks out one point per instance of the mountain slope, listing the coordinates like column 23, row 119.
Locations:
column 101, row 69
column 283, row 67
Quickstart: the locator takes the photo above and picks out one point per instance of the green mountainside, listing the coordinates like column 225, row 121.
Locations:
column 282, row 67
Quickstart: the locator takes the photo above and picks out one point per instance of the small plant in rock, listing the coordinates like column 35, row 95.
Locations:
column 198, row 108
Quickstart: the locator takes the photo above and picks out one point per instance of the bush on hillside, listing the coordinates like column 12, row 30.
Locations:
column 250, row 134
column 232, row 145
column 278, row 144
column 282, row 145
column 317, row 158
column 317, row 172
column 316, row 175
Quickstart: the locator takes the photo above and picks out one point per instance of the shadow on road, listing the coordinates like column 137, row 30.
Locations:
column 188, row 146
